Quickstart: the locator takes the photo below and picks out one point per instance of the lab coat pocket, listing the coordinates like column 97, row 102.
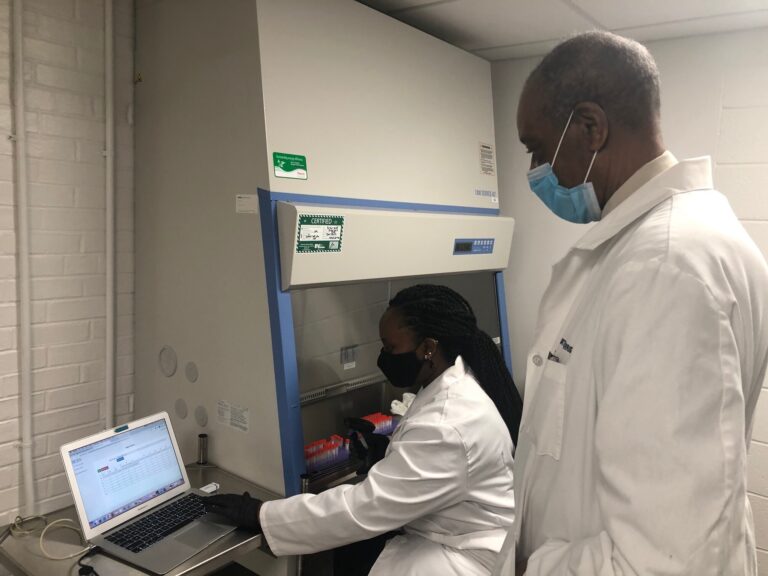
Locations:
column 547, row 412
column 508, row 465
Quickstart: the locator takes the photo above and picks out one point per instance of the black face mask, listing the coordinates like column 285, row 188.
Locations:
column 400, row 369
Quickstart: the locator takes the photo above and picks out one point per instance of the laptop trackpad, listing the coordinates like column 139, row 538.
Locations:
column 200, row 534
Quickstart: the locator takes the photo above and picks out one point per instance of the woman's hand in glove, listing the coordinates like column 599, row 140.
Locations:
column 366, row 445
column 240, row 509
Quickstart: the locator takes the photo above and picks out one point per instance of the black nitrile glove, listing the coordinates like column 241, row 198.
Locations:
column 366, row 445
column 240, row 509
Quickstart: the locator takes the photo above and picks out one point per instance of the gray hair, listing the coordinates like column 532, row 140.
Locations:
column 617, row 73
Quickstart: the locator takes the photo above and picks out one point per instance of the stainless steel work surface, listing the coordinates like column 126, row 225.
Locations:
column 22, row 555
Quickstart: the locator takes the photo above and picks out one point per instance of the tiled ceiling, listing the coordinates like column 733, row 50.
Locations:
column 499, row 29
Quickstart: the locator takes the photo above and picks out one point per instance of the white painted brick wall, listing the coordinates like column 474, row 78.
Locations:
column 64, row 56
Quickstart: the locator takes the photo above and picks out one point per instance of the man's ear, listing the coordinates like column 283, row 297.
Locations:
column 593, row 123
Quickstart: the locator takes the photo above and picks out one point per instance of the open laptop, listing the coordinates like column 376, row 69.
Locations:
column 133, row 497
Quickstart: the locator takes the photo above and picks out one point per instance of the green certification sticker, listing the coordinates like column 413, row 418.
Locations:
column 319, row 233
column 290, row 165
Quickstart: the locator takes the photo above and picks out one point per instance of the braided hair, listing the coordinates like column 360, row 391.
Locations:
column 438, row 312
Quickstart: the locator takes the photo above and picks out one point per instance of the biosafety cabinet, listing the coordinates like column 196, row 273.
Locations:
column 297, row 162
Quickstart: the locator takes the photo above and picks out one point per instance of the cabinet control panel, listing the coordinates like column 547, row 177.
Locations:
column 462, row 246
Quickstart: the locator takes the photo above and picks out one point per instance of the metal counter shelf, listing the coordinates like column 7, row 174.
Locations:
column 22, row 555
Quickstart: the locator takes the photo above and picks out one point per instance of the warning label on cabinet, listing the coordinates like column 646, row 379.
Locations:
column 487, row 160
column 290, row 165
column 233, row 416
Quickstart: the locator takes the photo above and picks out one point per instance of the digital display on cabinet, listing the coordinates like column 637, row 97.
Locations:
column 463, row 246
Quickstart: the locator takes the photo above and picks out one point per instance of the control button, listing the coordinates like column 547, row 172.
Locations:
column 537, row 360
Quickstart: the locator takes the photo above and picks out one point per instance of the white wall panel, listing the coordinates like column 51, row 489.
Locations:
column 758, row 230
column 760, row 514
column 746, row 186
column 758, row 468
column 741, row 139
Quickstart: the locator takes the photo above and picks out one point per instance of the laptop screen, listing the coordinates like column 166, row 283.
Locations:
column 116, row 474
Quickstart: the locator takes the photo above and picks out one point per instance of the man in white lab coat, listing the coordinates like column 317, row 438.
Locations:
column 652, row 338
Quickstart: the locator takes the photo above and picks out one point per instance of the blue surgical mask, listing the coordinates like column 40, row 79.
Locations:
column 578, row 204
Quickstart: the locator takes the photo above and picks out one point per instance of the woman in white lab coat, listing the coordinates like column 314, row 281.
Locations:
column 446, row 478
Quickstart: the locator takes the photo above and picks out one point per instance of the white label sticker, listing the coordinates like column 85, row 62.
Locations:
column 233, row 416
column 487, row 160
column 492, row 195
column 350, row 365
column 247, row 204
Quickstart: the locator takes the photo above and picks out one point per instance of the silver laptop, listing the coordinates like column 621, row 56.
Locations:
column 133, row 497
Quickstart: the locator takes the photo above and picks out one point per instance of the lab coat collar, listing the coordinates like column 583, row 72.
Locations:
column 429, row 392
column 685, row 176
column 645, row 174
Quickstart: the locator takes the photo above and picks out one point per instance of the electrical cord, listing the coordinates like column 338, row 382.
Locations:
column 20, row 527
column 87, row 569
column 69, row 525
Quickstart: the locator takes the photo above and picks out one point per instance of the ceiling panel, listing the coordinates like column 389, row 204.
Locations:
column 500, row 29
column 475, row 25
column 618, row 15
column 518, row 50
column 743, row 21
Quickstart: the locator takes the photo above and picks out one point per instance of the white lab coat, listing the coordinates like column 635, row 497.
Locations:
column 446, row 478
column 641, row 385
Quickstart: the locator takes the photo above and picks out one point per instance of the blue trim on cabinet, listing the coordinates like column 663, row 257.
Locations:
column 283, row 352
column 503, row 322
column 380, row 204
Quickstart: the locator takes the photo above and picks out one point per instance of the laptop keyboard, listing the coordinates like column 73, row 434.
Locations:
column 156, row 526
